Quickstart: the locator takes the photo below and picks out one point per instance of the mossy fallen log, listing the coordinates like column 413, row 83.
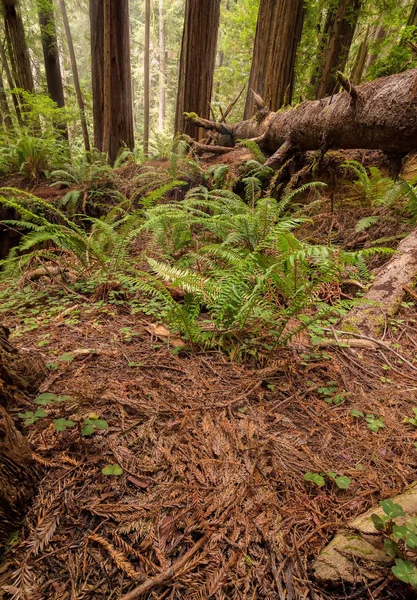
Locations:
column 377, row 115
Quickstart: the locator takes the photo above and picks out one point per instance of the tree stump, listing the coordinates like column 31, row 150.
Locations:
column 19, row 373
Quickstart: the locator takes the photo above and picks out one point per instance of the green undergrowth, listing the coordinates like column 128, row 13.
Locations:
column 221, row 269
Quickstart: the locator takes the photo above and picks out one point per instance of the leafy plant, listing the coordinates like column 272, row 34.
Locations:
column 112, row 469
column 400, row 541
column 341, row 481
column 410, row 420
column 30, row 417
column 373, row 423
column 331, row 393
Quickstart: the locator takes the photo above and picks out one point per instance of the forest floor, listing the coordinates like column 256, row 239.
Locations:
column 213, row 454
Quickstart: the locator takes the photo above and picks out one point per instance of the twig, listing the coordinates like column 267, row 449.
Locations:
column 232, row 104
column 410, row 291
column 165, row 575
column 376, row 341
column 346, row 85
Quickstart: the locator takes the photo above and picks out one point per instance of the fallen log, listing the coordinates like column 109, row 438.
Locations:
column 385, row 295
column 377, row 115
column 358, row 554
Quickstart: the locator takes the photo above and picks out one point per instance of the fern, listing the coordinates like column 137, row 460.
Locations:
column 365, row 223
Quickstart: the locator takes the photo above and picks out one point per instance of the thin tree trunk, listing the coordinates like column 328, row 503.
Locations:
column 51, row 56
column 19, row 50
column 359, row 66
column 278, row 33
column 111, row 79
column 10, row 83
column 197, row 63
column 412, row 19
column 5, row 112
column 162, row 68
column 77, row 85
column 339, row 41
column 375, row 47
column 146, row 87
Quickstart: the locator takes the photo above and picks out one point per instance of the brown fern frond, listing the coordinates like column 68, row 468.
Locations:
column 116, row 555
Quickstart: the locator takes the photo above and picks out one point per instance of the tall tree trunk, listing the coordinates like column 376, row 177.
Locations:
column 111, row 78
column 18, row 47
column 10, row 83
column 51, row 56
column 162, row 68
column 4, row 107
column 77, row 86
column 379, row 35
column 147, row 78
column 339, row 30
column 50, row 51
column 412, row 19
column 18, row 373
column 359, row 66
column 197, row 63
column 97, row 65
column 278, row 33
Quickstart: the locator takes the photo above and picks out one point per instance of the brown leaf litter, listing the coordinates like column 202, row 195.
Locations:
column 212, row 502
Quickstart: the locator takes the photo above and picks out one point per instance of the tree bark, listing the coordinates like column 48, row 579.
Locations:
column 412, row 19
column 375, row 47
column 386, row 292
column 51, row 56
column 4, row 107
column 380, row 114
column 338, row 35
column 18, row 373
column 147, row 78
column 278, row 33
column 19, row 50
column 75, row 76
column 162, row 68
column 10, row 83
column 111, row 79
column 197, row 62
column 359, row 66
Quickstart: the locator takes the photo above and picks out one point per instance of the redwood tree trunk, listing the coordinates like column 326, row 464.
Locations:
column 412, row 19
column 19, row 50
column 278, row 33
column 198, row 58
column 379, row 36
column 51, row 57
column 75, row 76
column 147, row 78
column 10, row 83
column 4, row 107
column 50, row 52
column 359, row 66
column 339, row 30
column 111, row 79
column 162, row 68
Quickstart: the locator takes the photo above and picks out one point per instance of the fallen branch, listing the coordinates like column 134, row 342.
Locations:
column 166, row 575
column 375, row 341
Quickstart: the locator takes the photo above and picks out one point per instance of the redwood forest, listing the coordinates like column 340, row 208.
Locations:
column 208, row 299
